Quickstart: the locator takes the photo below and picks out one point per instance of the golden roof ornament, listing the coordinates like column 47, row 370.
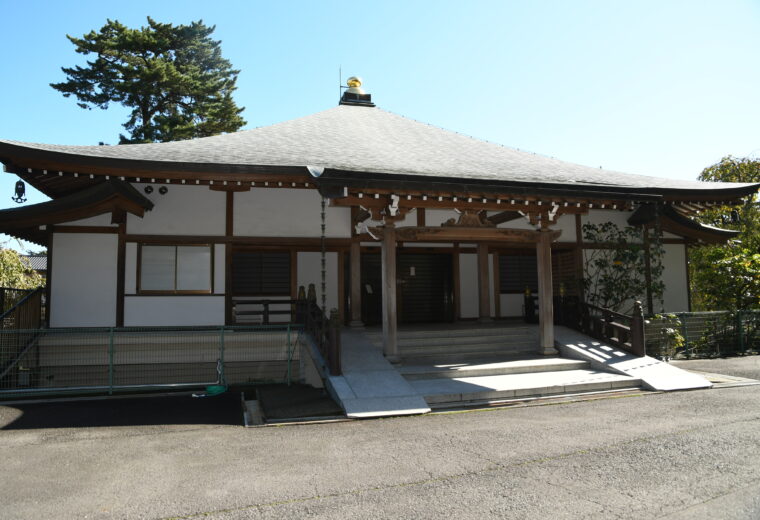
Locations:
column 354, row 95
column 354, row 83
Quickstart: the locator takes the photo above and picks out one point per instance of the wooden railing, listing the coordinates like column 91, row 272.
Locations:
column 617, row 329
column 324, row 330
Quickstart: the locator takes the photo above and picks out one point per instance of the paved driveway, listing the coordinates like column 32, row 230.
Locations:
column 680, row 455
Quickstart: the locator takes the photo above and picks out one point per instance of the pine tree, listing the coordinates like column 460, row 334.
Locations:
column 174, row 79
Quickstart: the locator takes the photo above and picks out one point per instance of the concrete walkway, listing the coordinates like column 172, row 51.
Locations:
column 370, row 386
column 654, row 374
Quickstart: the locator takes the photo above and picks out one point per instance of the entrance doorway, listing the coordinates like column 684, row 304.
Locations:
column 424, row 290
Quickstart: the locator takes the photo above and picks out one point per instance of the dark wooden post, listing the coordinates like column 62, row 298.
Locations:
column 545, row 297
column 356, row 285
column 388, row 253
column 648, row 270
column 484, row 307
column 638, row 341
column 334, row 347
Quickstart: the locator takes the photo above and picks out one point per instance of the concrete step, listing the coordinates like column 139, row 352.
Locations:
column 473, row 346
column 444, row 392
column 451, row 333
column 485, row 367
column 464, row 340
column 430, row 356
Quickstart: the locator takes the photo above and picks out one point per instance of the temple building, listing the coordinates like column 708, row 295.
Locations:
column 414, row 224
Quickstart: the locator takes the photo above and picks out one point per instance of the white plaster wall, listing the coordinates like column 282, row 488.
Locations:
column 566, row 224
column 468, row 285
column 436, row 217
column 278, row 212
column 98, row 220
column 147, row 311
column 600, row 216
column 83, row 290
column 676, row 295
column 309, row 270
column 130, row 268
column 511, row 305
column 184, row 210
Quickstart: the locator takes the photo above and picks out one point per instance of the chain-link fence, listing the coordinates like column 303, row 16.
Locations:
column 108, row 360
column 705, row 334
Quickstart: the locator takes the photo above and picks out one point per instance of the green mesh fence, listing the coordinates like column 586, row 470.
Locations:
column 708, row 334
column 108, row 360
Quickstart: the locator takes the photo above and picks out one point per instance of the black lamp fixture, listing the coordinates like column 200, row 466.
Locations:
column 148, row 189
column 162, row 190
column 20, row 195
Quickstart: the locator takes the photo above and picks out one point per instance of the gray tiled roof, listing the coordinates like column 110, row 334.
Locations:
column 372, row 140
column 36, row 262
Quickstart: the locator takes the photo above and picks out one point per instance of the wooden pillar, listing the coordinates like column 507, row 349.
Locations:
column 356, row 285
column 545, row 295
column 484, row 306
column 390, row 336
column 648, row 270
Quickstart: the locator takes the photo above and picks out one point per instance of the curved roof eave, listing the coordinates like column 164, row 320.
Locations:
column 358, row 143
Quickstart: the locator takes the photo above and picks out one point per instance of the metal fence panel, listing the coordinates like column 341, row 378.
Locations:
column 716, row 333
column 107, row 360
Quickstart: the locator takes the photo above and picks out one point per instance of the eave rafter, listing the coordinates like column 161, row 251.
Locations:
column 57, row 180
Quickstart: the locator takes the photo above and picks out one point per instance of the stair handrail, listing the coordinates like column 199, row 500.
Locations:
column 621, row 330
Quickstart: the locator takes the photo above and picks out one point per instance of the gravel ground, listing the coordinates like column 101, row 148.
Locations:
column 681, row 455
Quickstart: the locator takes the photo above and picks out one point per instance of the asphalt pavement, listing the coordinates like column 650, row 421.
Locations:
column 676, row 455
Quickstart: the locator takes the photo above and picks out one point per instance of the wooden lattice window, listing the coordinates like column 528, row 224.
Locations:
column 261, row 273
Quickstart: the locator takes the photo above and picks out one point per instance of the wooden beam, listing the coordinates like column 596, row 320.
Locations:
column 121, row 254
column 420, row 217
column 356, row 285
column 545, row 294
column 460, row 203
column 87, row 229
column 49, row 275
column 461, row 233
column 229, row 214
column 504, row 216
column 648, row 269
column 388, row 263
column 457, row 282
column 341, row 286
column 579, row 258
column 496, row 285
column 484, row 300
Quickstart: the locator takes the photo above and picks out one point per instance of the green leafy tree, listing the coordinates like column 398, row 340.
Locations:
column 615, row 272
column 16, row 273
column 173, row 78
column 727, row 276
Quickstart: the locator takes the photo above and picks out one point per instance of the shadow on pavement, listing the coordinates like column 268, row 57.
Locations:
column 137, row 411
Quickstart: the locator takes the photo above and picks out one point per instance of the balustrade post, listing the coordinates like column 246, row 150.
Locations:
column 638, row 342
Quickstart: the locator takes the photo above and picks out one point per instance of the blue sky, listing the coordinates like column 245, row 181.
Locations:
column 660, row 88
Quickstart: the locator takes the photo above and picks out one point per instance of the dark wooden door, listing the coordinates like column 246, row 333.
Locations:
column 424, row 288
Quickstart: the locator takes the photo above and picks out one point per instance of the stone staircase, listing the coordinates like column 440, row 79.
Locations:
column 461, row 384
column 470, row 341
column 469, row 364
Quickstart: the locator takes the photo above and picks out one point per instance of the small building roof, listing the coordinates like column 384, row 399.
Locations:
column 360, row 141
column 112, row 196
column 36, row 262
